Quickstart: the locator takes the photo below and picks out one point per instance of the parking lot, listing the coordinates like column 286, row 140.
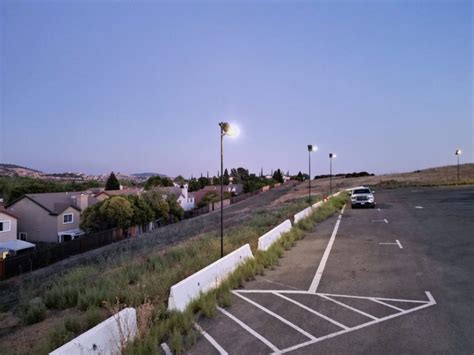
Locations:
column 393, row 279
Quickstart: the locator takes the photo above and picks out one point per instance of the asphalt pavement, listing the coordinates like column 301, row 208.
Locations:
column 394, row 279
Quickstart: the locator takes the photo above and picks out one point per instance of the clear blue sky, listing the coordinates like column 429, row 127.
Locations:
column 95, row 86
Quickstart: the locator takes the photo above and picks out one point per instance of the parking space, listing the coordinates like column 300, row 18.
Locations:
column 350, row 280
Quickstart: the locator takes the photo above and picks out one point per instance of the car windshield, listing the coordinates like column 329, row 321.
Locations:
column 361, row 191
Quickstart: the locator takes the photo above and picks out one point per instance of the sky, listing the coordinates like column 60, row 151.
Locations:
column 140, row 86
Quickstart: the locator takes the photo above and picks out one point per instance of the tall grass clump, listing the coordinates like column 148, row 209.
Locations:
column 33, row 312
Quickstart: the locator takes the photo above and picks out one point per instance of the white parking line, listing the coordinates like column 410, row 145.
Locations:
column 209, row 338
column 280, row 318
column 397, row 242
column 322, row 264
column 250, row 330
column 349, row 307
column 388, row 305
column 343, row 208
column 279, row 283
column 431, row 302
column 271, row 291
column 380, row 220
column 369, row 298
column 166, row 349
column 419, row 207
column 312, row 311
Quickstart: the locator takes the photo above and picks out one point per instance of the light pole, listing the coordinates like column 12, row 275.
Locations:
column 331, row 156
column 458, row 153
column 311, row 148
column 226, row 129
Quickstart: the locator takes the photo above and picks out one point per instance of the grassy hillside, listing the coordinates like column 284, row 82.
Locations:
column 445, row 175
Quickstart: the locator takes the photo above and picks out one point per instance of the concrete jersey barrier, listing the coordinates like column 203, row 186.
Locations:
column 307, row 211
column 182, row 293
column 303, row 214
column 108, row 337
column 317, row 204
column 266, row 240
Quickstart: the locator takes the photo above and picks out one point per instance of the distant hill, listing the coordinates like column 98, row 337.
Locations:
column 147, row 175
column 17, row 170
column 13, row 166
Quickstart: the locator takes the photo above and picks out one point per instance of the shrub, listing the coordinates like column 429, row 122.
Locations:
column 93, row 317
column 73, row 325
column 34, row 312
column 59, row 336
column 205, row 304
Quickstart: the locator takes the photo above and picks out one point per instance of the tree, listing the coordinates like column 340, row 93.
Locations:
column 216, row 181
column 203, row 182
column 176, row 210
column 277, row 176
column 112, row 182
column 115, row 212
column 158, row 204
column 12, row 188
column 194, row 185
column 242, row 173
column 226, row 177
column 157, row 180
column 166, row 182
column 235, row 176
column 180, row 180
column 253, row 183
column 300, row 177
column 92, row 220
column 142, row 212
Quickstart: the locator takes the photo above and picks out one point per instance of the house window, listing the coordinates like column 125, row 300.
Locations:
column 23, row 236
column 68, row 218
column 5, row 226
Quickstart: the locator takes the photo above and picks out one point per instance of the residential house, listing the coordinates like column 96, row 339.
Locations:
column 8, row 225
column 50, row 217
column 185, row 198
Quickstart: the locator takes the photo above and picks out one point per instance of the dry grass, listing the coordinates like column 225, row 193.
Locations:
column 446, row 175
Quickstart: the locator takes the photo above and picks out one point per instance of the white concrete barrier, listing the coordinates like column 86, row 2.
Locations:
column 303, row 214
column 108, row 337
column 182, row 293
column 272, row 236
column 317, row 204
column 307, row 211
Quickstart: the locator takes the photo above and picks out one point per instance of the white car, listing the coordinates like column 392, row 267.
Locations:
column 362, row 196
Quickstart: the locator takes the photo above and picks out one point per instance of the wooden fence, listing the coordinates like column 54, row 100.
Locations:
column 16, row 265
column 2, row 270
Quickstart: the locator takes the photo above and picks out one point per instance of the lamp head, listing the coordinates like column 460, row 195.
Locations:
column 312, row 148
column 229, row 130
column 458, row 152
column 332, row 155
